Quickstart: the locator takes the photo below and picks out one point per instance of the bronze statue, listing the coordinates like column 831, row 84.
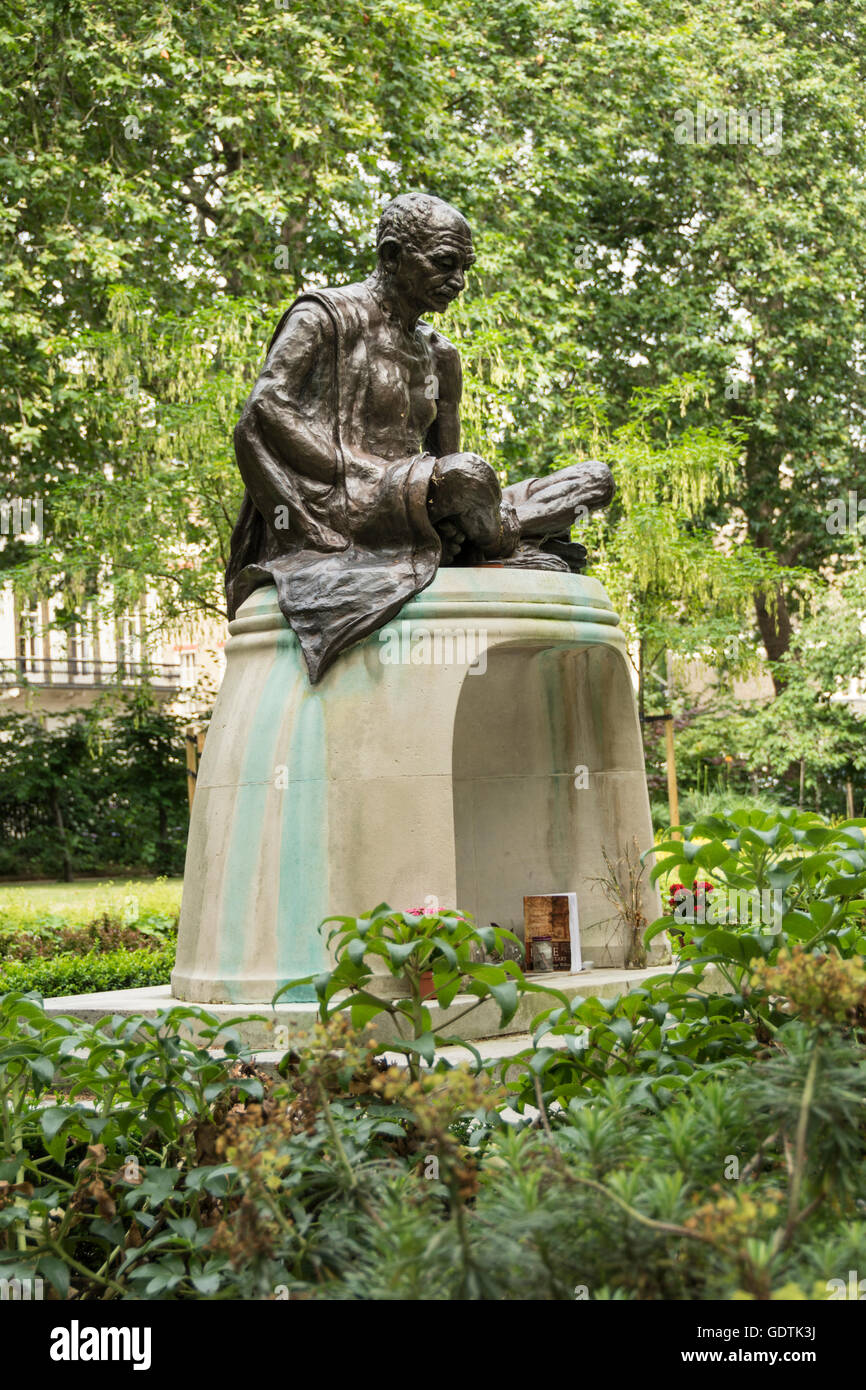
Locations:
column 349, row 446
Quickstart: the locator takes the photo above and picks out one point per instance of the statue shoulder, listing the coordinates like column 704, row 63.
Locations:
column 316, row 315
column 305, row 319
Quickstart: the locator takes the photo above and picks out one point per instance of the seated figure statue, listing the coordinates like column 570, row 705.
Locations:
column 349, row 447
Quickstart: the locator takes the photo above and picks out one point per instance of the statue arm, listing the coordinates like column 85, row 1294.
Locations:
column 275, row 434
column 443, row 436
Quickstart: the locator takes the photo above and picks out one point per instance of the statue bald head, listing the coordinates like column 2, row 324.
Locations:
column 412, row 218
column 425, row 249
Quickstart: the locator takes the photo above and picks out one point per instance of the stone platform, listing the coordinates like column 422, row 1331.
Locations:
column 483, row 746
column 273, row 1029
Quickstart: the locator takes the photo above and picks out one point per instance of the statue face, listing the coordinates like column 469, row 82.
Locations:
column 431, row 273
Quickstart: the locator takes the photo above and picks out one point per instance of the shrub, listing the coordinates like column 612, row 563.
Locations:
column 680, row 1025
column 96, row 789
column 161, row 1170
column 408, row 945
column 84, row 974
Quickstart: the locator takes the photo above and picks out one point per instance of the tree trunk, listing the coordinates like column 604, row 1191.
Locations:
column 775, row 629
column 849, row 798
column 641, row 658
column 64, row 843
column 802, row 782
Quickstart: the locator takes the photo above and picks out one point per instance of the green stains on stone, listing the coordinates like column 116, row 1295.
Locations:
column 303, row 889
column 248, row 829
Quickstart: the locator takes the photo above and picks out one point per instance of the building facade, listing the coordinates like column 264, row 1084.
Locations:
column 46, row 670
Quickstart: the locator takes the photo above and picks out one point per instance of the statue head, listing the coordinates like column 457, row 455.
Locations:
column 425, row 248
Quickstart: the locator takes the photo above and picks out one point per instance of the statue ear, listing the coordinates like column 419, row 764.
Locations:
column 389, row 252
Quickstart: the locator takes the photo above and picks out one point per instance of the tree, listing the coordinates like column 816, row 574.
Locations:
column 806, row 744
column 172, row 176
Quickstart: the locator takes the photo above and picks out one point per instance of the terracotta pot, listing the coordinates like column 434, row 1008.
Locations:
column 425, row 984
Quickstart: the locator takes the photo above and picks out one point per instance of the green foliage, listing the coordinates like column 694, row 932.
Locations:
column 51, row 935
column 409, row 945
column 73, row 1206
column 105, row 934
column 172, row 178
column 678, row 583
column 100, row 788
column 68, row 973
column 44, row 908
column 697, row 803
column 678, row 1026
column 805, row 745
column 818, row 871
column 137, row 1162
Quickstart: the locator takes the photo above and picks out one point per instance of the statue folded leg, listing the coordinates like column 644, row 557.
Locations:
column 548, row 507
column 527, row 525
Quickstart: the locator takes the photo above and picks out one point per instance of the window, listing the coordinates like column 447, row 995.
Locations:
column 187, row 670
column 79, row 649
column 30, row 640
column 129, row 660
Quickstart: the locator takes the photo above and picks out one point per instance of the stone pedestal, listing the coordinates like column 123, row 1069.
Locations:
column 485, row 745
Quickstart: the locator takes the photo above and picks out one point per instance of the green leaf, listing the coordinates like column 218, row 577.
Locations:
column 507, row 998
column 447, row 950
column 540, row 1058
column 206, row 1283
column 623, row 1030
column 362, row 1011
column 399, row 953
column 53, row 1117
column 355, row 950
column 447, row 993
column 425, row 1046
column 43, row 1068
column 56, row 1272
column 389, row 1128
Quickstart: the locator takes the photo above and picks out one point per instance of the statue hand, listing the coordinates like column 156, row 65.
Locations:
column 452, row 539
column 509, row 537
column 465, row 491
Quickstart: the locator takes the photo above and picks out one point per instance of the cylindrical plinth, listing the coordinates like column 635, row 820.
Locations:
column 482, row 747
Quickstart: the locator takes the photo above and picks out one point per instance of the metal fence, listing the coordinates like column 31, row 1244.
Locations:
column 79, row 671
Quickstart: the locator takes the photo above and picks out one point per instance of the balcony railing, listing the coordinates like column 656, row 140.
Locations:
column 80, row 673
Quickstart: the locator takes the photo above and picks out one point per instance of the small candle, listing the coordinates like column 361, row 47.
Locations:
column 542, row 953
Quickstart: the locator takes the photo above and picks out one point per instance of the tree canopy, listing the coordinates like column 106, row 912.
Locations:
column 172, row 176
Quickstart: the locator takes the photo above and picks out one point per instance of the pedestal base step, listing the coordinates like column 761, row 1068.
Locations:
column 272, row 1030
